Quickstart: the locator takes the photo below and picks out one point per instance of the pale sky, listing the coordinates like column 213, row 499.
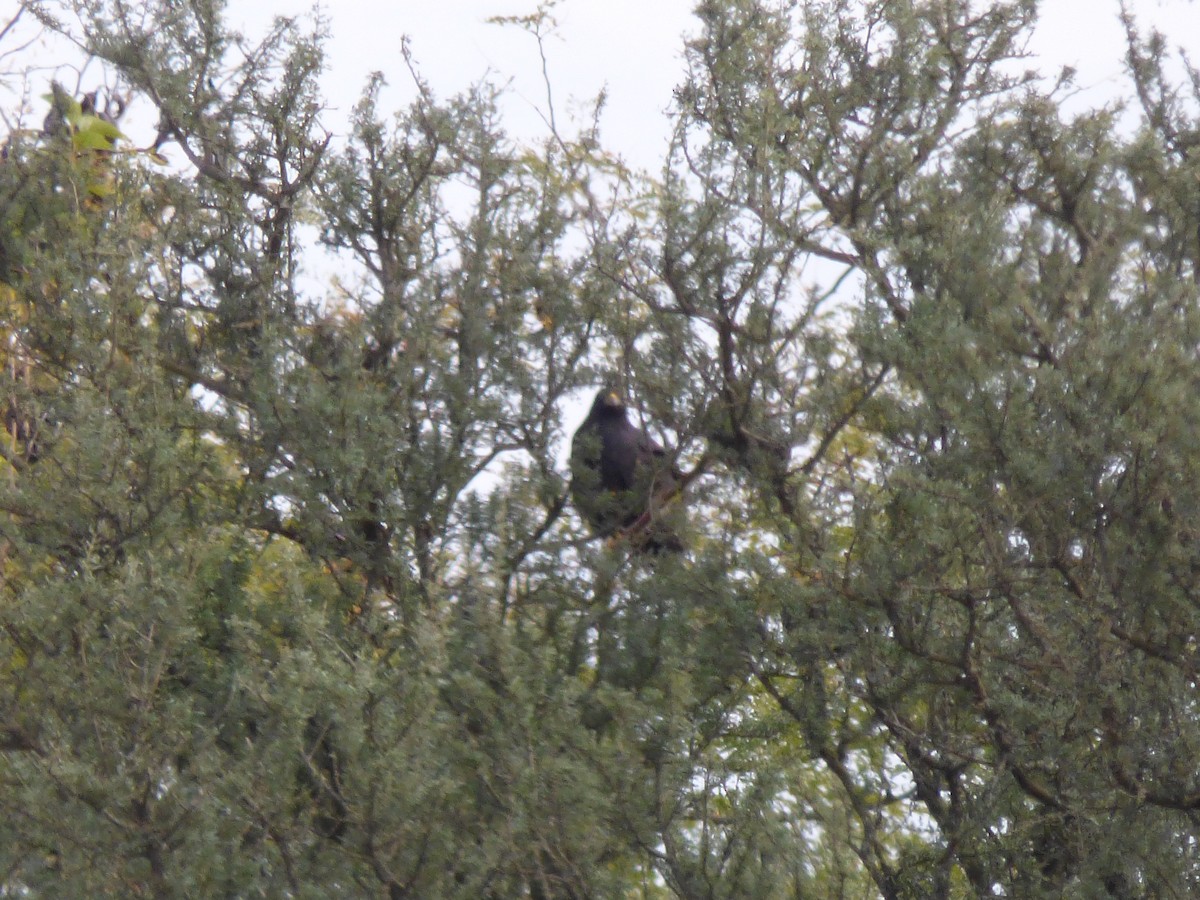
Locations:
column 633, row 50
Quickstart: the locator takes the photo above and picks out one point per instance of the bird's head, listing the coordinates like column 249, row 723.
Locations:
column 608, row 402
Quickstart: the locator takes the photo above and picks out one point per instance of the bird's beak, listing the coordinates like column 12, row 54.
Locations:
column 613, row 399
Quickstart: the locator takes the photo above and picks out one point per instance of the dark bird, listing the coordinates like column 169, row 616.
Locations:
column 621, row 476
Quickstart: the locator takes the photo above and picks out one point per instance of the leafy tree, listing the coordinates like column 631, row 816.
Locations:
column 292, row 598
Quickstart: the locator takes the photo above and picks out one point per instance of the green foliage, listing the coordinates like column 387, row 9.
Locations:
column 292, row 599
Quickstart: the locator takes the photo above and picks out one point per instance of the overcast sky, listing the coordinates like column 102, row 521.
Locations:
column 633, row 50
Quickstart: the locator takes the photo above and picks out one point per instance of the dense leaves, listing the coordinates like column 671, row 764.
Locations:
column 293, row 601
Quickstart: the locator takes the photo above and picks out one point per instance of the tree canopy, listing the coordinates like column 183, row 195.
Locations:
column 294, row 602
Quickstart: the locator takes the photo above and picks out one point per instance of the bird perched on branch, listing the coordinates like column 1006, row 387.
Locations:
column 621, row 477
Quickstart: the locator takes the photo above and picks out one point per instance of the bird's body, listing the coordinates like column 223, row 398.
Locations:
column 620, row 475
